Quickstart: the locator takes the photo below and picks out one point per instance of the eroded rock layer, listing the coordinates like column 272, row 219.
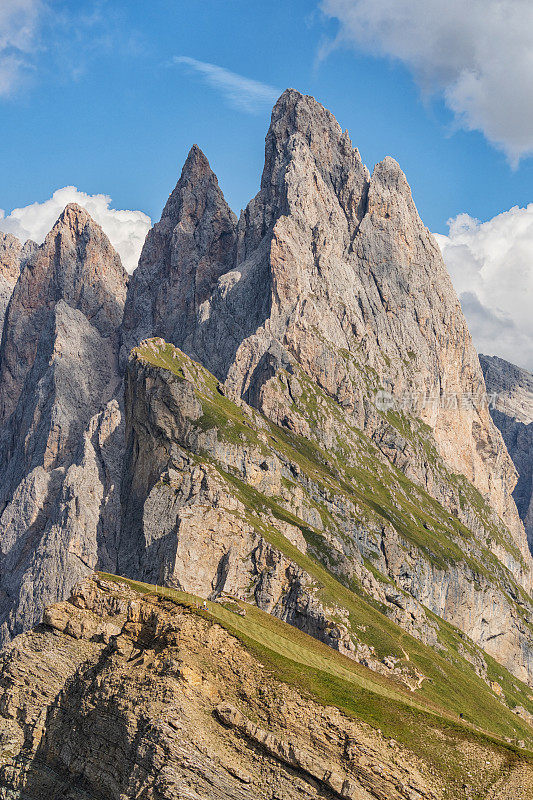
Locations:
column 510, row 391
column 120, row 695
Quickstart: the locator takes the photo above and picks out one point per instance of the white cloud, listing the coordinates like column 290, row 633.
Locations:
column 126, row 229
column 478, row 54
column 242, row 93
column 491, row 264
column 19, row 23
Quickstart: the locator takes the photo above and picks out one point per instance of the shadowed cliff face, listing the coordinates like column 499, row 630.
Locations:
column 512, row 412
column 62, row 425
column 13, row 256
column 76, row 264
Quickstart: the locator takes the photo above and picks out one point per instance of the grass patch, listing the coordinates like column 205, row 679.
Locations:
column 430, row 731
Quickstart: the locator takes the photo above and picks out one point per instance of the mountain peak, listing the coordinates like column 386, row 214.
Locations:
column 183, row 256
column 74, row 216
column 300, row 113
column 299, row 110
column 299, row 121
column 197, row 178
column 196, row 163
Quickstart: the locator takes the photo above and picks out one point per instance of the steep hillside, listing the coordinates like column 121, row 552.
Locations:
column 333, row 273
column 138, row 693
column 305, row 419
column 12, row 256
column 216, row 498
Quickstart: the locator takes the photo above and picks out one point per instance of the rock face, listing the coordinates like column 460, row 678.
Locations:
column 218, row 499
column 317, row 439
column 119, row 695
column 333, row 298
column 60, row 401
column 511, row 389
column 12, row 255
column 334, row 274
column 184, row 255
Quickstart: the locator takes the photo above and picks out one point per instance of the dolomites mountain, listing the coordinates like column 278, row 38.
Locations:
column 217, row 498
column 184, row 255
column 60, row 400
column 512, row 388
column 333, row 274
column 284, row 411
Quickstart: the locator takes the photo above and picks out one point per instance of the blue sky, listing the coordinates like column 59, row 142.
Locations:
column 104, row 108
column 108, row 96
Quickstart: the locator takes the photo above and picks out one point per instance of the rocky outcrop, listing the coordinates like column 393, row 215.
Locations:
column 62, row 424
column 121, row 695
column 510, row 391
column 184, row 527
column 217, row 499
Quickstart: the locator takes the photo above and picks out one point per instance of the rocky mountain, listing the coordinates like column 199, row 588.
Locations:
column 60, row 399
column 337, row 296
column 335, row 276
column 511, row 390
column 283, row 413
column 184, row 255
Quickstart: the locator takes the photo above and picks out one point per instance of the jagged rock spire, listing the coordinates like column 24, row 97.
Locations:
column 330, row 261
column 182, row 258
column 59, row 476
column 76, row 264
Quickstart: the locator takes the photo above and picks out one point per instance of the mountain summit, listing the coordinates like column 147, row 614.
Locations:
column 285, row 414
column 332, row 272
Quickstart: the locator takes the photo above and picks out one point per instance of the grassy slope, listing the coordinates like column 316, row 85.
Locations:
column 428, row 730
column 379, row 489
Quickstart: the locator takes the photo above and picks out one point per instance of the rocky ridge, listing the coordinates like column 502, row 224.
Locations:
column 335, row 275
column 136, row 695
column 217, row 498
column 12, row 255
column 271, row 470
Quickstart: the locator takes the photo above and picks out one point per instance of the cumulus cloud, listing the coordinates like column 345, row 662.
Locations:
column 19, row 24
column 126, row 229
column 242, row 93
column 491, row 265
column 478, row 54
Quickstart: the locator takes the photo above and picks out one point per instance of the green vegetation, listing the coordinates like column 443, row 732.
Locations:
column 430, row 730
column 354, row 472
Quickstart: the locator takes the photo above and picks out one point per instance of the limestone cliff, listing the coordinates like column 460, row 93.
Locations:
column 183, row 256
column 335, row 275
column 12, row 255
column 319, row 444
column 510, row 391
column 60, row 401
